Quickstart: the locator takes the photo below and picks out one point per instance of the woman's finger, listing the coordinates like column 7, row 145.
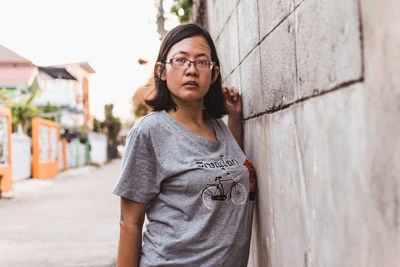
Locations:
column 234, row 93
column 231, row 93
column 226, row 92
column 227, row 96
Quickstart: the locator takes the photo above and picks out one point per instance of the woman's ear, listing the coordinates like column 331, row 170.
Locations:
column 215, row 74
column 160, row 71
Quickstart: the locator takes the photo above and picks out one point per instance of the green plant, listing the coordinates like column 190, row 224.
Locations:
column 48, row 111
column 111, row 125
column 182, row 9
column 23, row 112
column 97, row 126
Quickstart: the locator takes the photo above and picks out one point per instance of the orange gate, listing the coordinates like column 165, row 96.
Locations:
column 5, row 148
column 45, row 138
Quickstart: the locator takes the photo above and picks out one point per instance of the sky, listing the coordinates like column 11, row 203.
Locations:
column 110, row 35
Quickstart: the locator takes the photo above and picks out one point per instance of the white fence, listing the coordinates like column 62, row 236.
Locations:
column 60, row 156
column 75, row 153
column 21, row 156
column 21, row 153
column 98, row 147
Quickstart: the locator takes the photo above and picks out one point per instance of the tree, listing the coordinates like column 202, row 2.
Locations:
column 140, row 110
column 182, row 9
column 146, row 91
column 111, row 124
column 160, row 18
column 97, row 126
column 22, row 113
column 48, row 111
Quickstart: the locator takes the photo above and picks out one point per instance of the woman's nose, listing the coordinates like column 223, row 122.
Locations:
column 191, row 69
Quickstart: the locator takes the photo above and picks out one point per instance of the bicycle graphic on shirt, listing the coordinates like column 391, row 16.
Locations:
column 214, row 193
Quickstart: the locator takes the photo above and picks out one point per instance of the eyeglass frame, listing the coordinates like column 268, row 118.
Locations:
column 212, row 63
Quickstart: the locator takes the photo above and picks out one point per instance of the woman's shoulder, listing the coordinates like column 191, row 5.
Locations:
column 148, row 125
column 149, row 121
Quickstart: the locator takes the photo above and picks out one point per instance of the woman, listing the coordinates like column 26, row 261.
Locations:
column 183, row 168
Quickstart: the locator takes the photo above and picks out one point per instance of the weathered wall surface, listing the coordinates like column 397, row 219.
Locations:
column 320, row 81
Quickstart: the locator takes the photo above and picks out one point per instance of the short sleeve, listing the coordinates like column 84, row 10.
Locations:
column 138, row 179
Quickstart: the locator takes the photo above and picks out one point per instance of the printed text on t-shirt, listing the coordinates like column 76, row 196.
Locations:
column 222, row 164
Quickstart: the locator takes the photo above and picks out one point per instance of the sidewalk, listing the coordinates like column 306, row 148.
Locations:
column 69, row 220
column 27, row 187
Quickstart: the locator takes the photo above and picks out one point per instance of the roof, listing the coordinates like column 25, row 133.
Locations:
column 87, row 67
column 84, row 65
column 17, row 75
column 57, row 73
column 9, row 57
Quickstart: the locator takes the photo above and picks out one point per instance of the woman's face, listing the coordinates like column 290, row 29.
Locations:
column 189, row 84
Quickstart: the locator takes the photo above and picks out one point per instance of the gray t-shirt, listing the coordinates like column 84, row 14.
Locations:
column 199, row 208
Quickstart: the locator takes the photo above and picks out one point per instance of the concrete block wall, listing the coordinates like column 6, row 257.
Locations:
column 320, row 82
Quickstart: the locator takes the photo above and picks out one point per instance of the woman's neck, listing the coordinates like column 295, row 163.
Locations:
column 191, row 116
column 190, row 113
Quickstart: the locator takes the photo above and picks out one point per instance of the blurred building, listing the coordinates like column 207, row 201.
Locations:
column 67, row 87
column 17, row 76
column 64, row 86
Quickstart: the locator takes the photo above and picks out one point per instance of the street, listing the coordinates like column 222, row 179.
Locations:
column 69, row 220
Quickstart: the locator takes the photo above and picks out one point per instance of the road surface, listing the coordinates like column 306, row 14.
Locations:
column 69, row 220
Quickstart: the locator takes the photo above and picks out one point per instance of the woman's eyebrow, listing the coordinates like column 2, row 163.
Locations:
column 202, row 55
column 186, row 54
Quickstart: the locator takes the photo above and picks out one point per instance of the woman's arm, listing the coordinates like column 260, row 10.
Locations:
column 130, row 239
column 236, row 127
column 233, row 102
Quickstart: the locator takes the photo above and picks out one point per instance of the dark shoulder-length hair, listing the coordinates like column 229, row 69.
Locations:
column 214, row 101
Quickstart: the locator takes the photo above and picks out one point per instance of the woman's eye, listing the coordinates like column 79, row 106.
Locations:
column 180, row 60
column 203, row 63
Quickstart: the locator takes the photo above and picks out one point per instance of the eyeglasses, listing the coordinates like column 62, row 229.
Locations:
column 183, row 63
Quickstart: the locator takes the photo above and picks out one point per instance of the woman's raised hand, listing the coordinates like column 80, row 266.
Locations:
column 233, row 101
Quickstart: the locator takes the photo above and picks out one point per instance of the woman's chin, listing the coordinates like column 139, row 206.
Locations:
column 191, row 97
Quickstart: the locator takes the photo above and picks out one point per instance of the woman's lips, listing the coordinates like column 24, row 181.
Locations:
column 191, row 84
